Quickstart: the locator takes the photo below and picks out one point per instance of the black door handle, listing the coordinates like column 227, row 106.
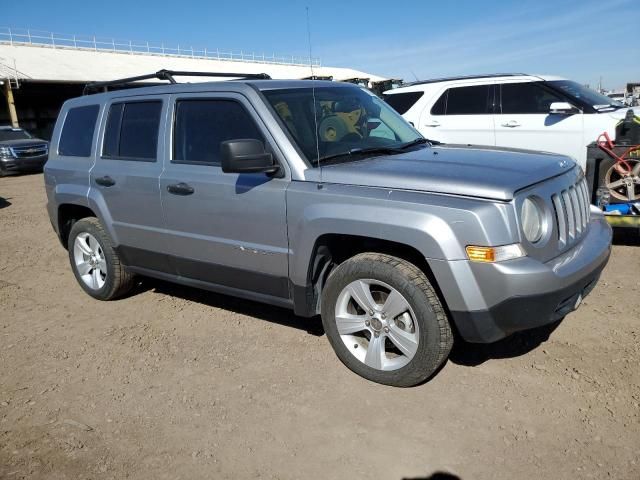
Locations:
column 180, row 189
column 106, row 181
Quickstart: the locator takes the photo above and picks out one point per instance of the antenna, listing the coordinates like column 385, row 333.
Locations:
column 414, row 74
column 313, row 94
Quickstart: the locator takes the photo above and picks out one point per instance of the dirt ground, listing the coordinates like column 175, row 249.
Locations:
column 176, row 383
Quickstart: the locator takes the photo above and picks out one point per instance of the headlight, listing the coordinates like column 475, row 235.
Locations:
column 5, row 152
column 533, row 219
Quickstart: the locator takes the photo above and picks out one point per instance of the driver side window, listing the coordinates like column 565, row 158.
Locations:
column 201, row 125
column 523, row 98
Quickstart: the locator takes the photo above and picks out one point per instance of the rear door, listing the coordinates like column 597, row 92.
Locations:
column 462, row 115
column 223, row 228
column 126, row 176
column 524, row 120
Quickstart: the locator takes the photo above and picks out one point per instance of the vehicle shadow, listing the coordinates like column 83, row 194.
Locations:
column 520, row 343
column 629, row 237
column 270, row 313
column 23, row 173
column 4, row 203
column 436, row 476
column 463, row 353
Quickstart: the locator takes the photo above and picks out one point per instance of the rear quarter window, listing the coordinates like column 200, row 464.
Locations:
column 77, row 132
column 402, row 102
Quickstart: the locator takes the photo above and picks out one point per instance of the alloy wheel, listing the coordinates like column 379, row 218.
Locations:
column 90, row 261
column 377, row 324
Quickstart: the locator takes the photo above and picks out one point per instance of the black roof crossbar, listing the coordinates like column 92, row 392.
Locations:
column 168, row 75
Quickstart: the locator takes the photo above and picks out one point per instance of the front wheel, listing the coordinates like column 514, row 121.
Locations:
column 384, row 320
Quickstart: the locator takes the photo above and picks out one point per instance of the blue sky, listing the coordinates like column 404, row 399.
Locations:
column 580, row 39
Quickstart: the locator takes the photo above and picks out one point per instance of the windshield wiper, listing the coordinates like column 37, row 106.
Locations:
column 384, row 150
column 363, row 151
column 418, row 141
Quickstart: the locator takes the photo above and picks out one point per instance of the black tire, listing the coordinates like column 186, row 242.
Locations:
column 118, row 280
column 435, row 337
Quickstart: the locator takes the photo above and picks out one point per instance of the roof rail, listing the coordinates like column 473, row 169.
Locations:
column 168, row 75
column 464, row 77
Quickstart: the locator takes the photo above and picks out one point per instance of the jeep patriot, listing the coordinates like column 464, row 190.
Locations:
column 318, row 197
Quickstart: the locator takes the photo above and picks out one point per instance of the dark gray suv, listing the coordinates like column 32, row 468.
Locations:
column 317, row 196
column 20, row 152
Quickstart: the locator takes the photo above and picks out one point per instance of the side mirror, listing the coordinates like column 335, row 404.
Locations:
column 562, row 108
column 246, row 156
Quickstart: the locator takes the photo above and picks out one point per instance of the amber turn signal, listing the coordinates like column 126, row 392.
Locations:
column 494, row 254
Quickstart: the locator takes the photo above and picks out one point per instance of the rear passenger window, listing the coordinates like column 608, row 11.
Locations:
column 201, row 125
column 468, row 100
column 131, row 132
column 77, row 131
column 402, row 102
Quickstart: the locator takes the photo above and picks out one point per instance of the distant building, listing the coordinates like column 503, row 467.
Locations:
column 40, row 70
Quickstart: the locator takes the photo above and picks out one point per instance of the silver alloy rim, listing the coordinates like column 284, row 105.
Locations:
column 90, row 262
column 377, row 324
column 624, row 185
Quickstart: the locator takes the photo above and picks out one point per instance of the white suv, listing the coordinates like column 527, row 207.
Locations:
column 509, row 110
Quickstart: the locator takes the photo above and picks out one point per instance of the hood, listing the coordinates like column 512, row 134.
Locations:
column 622, row 112
column 486, row 172
column 23, row 142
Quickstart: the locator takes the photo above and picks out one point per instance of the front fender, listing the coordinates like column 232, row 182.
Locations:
column 438, row 226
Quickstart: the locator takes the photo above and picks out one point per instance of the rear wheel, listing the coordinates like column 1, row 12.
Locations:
column 384, row 320
column 95, row 263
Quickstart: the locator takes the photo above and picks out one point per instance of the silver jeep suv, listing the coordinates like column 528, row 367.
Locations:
column 317, row 196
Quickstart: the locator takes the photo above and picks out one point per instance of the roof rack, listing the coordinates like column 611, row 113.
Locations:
column 168, row 75
column 463, row 77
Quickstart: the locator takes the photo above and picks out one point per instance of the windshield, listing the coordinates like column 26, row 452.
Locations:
column 591, row 97
column 351, row 122
column 13, row 134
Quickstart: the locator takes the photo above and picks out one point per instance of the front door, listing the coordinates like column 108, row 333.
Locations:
column 224, row 229
column 525, row 121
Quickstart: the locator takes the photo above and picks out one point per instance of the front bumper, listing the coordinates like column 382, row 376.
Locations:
column 29, row 164
column 524, row 293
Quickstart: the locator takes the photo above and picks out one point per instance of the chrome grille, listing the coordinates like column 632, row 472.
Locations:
column 572, row 212
column 30, row 151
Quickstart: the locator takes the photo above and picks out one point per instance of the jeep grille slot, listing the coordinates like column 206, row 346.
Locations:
column 585, row 201
column 571, row 220
column 560, row 220
column 571, row 207
column 577, row 209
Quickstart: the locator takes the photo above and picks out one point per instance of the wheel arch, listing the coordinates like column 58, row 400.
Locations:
column 331, row 249
column 68, row 215
column 74, row 209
